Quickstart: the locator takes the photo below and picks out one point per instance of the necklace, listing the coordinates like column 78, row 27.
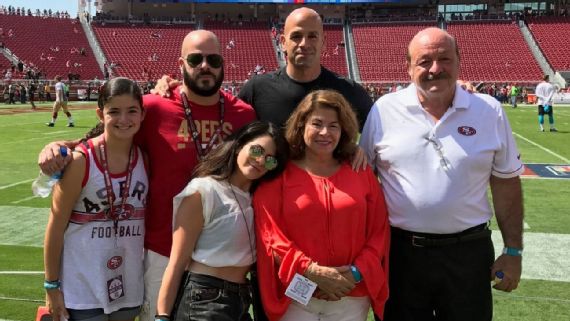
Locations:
column 244, row 221
column 195, row 134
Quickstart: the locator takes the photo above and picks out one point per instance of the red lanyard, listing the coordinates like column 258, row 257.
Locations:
column 195, row 134
column 115, row 213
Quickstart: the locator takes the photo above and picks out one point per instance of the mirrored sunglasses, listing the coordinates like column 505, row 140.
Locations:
column 195, row 59
column 256, row 151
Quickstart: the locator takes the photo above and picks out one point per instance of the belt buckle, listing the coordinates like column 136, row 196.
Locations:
column 416, row 238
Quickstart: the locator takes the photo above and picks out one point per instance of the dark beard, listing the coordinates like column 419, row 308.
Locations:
column 193, row 84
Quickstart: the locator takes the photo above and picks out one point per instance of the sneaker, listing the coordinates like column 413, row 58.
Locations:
column 50, row 124
column 70, row 125
column 553, row 130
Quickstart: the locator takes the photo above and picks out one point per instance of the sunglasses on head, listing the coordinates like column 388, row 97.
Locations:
column 195, row 59
column 256, row 151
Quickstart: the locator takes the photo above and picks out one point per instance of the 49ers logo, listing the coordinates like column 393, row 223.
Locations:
column 466, row 130
column 121, row 213
column 115, row 262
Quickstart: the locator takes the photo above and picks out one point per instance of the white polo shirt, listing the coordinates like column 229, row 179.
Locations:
column 435, row 175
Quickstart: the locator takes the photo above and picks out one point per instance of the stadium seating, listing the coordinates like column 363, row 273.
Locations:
column 381, row 49
column 552, row 34
column 33, row 36
column 494, row 52
column 131, row 47
column 252, row 47
column 333, row 58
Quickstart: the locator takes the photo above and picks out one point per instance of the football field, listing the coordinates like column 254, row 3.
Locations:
column 543, row 294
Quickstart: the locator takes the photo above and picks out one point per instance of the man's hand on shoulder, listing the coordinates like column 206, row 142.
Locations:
column 467, row 86
column 164, row 86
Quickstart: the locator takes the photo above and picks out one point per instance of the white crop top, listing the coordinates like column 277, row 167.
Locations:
column 224, row 240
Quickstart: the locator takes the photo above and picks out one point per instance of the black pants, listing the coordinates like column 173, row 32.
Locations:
column 207, row 298
column 445, row 283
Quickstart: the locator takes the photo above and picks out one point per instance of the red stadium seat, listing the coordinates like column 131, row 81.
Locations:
column 35, row 35
column 551, row 34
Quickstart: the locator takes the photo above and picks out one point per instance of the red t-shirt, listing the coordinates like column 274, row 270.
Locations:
column 166, row 138
column 335, row 221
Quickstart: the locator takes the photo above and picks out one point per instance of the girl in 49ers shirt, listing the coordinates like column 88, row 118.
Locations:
column 94, row 238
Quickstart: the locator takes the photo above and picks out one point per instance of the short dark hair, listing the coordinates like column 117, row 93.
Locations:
column 221, row 161
column 546, row 77
column 295, row 126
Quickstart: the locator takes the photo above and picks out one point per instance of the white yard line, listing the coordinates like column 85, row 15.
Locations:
column 43, row 135
column 545, row 255
column 23, row 200
column 21, row 272
column 16, row 184
column 19, row 299
column 542, row 147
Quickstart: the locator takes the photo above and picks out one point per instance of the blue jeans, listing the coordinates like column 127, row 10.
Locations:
column 514, row 101
column 207, row 298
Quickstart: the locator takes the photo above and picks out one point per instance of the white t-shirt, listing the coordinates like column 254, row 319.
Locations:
column 228, row 236
column 435, row 175
column 544, row 92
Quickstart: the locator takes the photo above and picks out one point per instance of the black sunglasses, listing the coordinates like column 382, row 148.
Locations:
column 195, row 59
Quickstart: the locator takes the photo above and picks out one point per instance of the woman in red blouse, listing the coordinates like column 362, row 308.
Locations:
column 322, row 220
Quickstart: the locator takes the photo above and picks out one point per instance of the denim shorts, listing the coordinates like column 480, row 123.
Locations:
column 99, row 315
column 207, row 298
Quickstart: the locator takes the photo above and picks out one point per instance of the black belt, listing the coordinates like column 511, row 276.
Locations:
column 434, row 240
column 238, row 288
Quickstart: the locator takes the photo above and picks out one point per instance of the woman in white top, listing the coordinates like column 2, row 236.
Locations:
column 213, row 234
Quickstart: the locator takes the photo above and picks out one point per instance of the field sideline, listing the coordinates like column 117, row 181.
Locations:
column 544, row 293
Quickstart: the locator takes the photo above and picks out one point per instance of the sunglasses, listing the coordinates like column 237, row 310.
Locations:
column 256, row 151
column 195, row 59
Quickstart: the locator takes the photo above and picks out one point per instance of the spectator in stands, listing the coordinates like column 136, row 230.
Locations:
column 436, row 189
column 231, row 44
column 172, row 156
column 544, row 93
column 60, row 103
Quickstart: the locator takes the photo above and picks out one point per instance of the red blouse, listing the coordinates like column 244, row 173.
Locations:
column 334, row 221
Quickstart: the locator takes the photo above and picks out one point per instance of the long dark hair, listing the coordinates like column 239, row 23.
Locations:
column 112, row 88
column 221, row 162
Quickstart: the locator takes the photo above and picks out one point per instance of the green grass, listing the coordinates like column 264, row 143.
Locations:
column 23, row 218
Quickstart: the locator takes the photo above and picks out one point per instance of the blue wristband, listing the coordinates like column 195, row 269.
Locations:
column 355, row 274
column 52, row 285
column 512, row 251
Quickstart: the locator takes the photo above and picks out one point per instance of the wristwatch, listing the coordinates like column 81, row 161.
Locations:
column 512, row 251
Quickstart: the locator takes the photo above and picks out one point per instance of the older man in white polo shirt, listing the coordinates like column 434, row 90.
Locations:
column 437, row 148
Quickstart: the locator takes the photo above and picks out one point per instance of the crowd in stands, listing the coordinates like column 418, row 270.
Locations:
column 21, row 11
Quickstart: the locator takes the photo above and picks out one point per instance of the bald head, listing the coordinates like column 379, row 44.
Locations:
column 431, row 37
column 200, row 40
column 300, row 15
